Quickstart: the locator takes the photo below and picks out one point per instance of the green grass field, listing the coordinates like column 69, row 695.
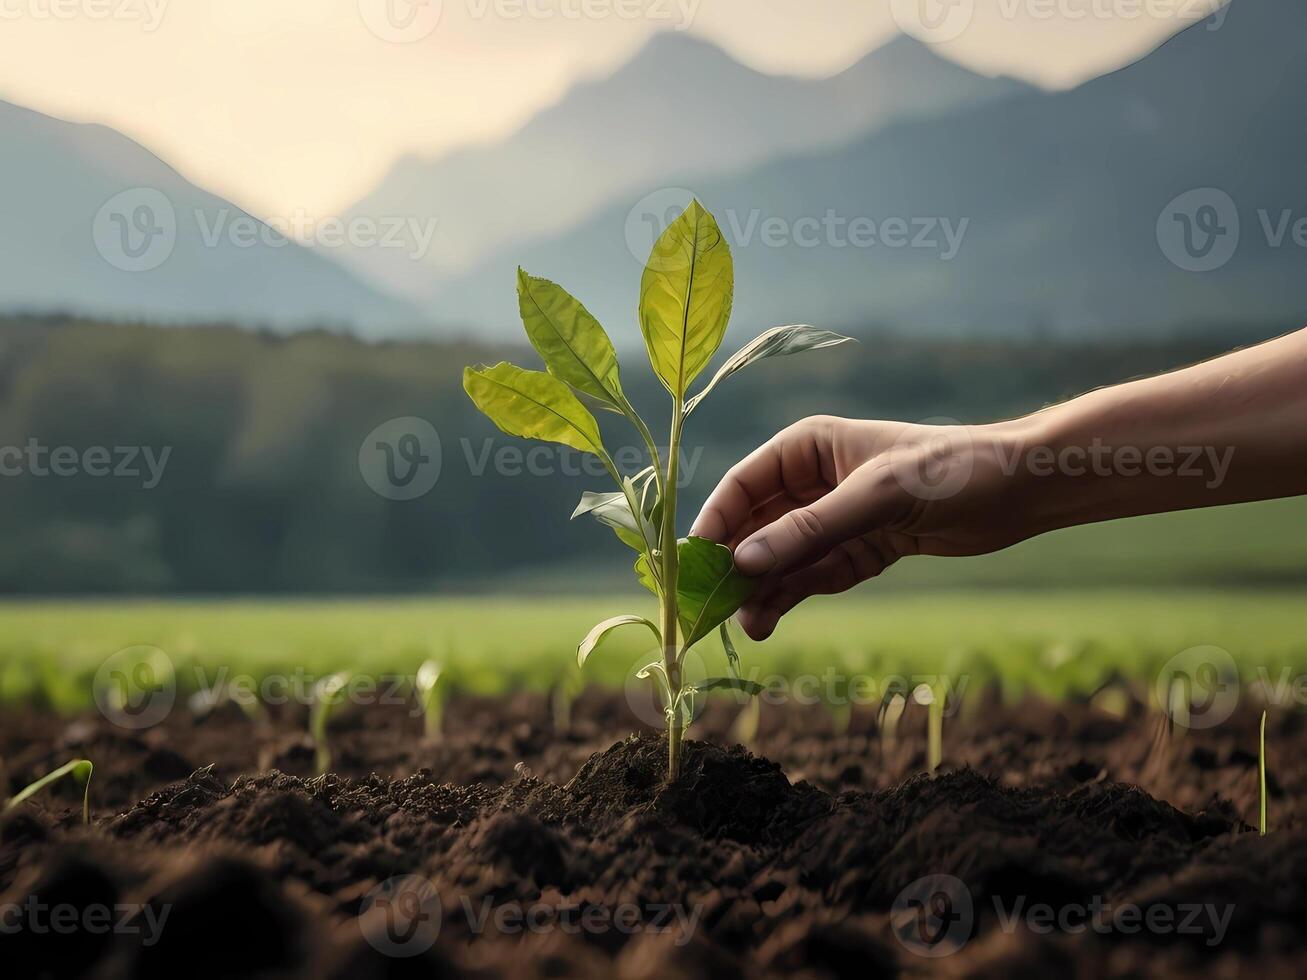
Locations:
column 1052, row 640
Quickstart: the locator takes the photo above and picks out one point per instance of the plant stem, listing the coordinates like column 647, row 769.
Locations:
column 935, row 733
column 1261, row 776
column 671, row 662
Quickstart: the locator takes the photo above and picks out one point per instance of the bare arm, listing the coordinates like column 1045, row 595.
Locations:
column 830, row 502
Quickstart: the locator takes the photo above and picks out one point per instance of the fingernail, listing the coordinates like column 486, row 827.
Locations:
column 755, row 557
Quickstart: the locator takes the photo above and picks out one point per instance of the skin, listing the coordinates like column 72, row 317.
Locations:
column 830, row 502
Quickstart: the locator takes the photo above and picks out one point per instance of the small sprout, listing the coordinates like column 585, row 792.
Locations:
column 327, row 696
column 891, row 710
column 562, row 696
column 1261, row 777
column 685, row 299
column 207, row 700
column 79, row 769
column 745, row 727
column 933, row 699
column 431, row 696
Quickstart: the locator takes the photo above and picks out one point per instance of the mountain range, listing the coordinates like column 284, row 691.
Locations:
column 1106, row 208
column 904, row 192
column 93, row 223
column 680, row 106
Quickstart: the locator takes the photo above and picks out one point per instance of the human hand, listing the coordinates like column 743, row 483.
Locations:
column 829, row 502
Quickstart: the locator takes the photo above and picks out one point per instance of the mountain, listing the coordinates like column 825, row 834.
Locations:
column 1074, row 219
column 681, row 105
column 92, row 222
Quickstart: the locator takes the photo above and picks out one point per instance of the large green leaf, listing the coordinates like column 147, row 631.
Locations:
column 709, row 588
column 533, row 405
column 571, row 342
column 596, row 635
column 776, row 342
column 685, row 297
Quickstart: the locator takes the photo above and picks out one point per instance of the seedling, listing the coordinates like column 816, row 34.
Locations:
column 1261, row 777
column 431, row 696
column 328, row 694
column 932, row 696
column 891, row 710
column 79, row 769
column 685, row 303
column 562, row 695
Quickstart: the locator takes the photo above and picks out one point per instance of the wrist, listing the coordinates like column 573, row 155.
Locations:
column 1051, row 471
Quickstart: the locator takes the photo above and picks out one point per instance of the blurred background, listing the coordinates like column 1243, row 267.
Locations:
column 246, row 250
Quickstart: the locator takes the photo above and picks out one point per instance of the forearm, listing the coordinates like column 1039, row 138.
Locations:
column 1225, row 431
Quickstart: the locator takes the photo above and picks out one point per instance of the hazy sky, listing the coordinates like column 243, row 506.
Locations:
column 290, row 105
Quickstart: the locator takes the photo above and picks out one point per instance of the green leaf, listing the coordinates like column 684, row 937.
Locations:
column 685, row 297
column 596, row 635
column 752, row 688
column 776, row 342
column 709, row 588
column 571, row 342
column 645, row 573
column 533, row 405
column 79, row 769
column 614, row 511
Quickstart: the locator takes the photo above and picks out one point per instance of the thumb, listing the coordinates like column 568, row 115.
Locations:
column 867, row 499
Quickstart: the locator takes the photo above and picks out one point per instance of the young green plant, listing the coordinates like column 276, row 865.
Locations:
column 78, row 769
column 685, row 300
column 431, row 696
column 328, row 694
column 933, row 697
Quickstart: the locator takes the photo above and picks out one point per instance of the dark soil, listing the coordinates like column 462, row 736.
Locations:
column 1054, row 839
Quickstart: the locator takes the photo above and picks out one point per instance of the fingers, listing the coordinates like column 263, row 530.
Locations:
column 868, row 499
column 852, row 562
column 789, row 462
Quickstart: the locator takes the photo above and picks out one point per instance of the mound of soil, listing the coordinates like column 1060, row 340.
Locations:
column 1055, row 838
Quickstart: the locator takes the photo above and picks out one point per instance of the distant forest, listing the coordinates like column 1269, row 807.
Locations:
column 261, row 491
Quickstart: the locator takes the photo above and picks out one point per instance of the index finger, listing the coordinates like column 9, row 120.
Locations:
column 787, row 463
column 750, row 483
